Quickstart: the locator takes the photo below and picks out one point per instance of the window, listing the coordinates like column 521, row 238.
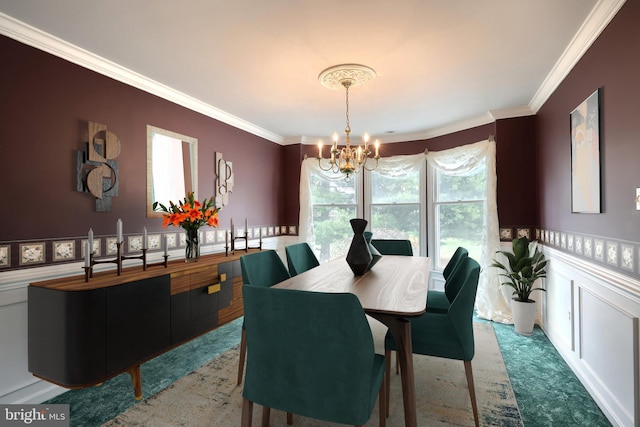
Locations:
column 333, row 203
column 394, row 208
column 458, row 213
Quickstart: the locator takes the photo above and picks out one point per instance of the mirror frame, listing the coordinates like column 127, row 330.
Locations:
column 193, row 142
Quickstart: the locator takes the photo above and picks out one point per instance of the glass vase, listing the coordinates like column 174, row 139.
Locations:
column 192, row 249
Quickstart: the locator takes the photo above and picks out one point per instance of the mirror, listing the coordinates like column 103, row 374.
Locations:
column 172, row 167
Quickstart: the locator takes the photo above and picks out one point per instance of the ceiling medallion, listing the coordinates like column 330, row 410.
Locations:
column 334, row 77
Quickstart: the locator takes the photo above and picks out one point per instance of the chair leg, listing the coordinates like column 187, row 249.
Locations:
column 247, row 412
column 289, row 418
column 397, row 364
column 243, row 353
column 266, row 414
column 387, row 380
column 382, row 401
column 472, row 391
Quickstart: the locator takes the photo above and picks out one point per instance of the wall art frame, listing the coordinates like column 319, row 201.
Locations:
column 585, row 155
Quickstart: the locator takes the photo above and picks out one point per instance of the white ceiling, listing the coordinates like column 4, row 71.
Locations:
column 442, row 65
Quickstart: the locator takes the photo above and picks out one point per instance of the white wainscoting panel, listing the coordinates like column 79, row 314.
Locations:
column 591, row 316
column 605, row 326
column 559, row 308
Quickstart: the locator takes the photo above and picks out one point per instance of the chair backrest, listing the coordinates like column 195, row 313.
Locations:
column 264, row 268
column 450, row 288
column 460, row 311
column 457, row 256
column 300, row 258
column 310, row 353
column 393, row 246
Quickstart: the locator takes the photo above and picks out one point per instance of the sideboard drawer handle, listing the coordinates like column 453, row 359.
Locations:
column 213, row 289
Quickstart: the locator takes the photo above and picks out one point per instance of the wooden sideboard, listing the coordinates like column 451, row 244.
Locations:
column 83, row 333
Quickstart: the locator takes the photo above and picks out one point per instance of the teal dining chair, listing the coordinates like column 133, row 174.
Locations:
column 300, row 258
column 264, row 268
column 448, row 335
column 311, row 354
column 393, row 246
column 439, row 301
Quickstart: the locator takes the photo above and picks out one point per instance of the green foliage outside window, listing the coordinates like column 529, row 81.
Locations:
column 460, row 213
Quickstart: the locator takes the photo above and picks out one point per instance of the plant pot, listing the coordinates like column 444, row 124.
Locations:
column 524, row 316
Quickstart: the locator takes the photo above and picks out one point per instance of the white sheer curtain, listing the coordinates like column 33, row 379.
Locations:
column 490, row 301
column 310, row 166
column 399, row 166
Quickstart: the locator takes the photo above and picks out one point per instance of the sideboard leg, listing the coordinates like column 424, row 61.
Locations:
column 136, row 380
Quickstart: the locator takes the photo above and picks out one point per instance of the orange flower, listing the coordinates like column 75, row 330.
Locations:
column 213, row 220
column 189, row 213
column 194, row 215
column 176, row 219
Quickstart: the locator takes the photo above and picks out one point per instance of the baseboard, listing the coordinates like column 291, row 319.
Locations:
column 37, row 392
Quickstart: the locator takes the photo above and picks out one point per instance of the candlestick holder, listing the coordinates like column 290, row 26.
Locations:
column 246, row 247
column 164, row 263
column 142, row 257
column 117, row 260
column 88, row 271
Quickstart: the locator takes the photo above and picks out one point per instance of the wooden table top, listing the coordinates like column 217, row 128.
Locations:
column 395, row 285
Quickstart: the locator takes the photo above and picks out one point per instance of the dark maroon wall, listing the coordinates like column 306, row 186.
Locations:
column 293, row 156
column 515, row 168
column 611, row 63
column 45, row 103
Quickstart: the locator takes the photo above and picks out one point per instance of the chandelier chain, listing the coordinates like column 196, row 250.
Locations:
column 346, row 85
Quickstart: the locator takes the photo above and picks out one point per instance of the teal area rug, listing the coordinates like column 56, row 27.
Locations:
column 94, row 406
column 547, row 390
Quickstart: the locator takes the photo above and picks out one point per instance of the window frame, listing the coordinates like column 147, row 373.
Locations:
column 433, row 221
column 422, row 203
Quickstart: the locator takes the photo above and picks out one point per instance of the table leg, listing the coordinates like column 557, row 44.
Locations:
column 401, row 330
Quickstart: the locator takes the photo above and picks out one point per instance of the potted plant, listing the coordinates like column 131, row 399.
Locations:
column 526, row 264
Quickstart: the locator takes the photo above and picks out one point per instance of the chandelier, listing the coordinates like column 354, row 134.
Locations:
column 348, row 160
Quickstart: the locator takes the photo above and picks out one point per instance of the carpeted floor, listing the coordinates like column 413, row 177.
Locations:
column 210, row 397
column 547, row 391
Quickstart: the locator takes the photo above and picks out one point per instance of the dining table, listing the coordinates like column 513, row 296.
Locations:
column 392, row 291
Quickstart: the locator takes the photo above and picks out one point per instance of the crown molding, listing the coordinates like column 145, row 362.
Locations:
column 443, row 130
column 600, row 16
column 507, row 113
column 46, row 42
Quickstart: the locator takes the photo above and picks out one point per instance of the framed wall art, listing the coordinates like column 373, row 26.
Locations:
column 585, row 156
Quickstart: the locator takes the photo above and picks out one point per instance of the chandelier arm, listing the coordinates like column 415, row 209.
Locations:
column 330, row 168
column 369, row 169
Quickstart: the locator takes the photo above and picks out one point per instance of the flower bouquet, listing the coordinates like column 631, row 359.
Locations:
column 190, row 214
